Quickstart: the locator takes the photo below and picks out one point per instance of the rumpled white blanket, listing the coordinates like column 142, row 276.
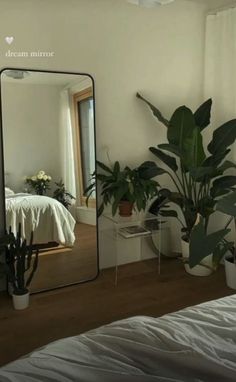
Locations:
column 194, row 345
column 45, row 216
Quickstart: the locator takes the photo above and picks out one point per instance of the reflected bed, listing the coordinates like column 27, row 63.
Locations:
column 194, row 344
column 46, row 217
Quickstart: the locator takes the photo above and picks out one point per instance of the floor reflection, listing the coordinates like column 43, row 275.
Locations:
column 60, row 266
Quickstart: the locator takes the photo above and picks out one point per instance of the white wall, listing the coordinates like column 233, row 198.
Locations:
column 126, row 48
column 30, row 132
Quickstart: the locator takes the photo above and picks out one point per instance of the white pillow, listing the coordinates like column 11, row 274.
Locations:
column 8, row 191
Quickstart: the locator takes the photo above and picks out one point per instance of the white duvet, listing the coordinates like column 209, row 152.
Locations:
column 48, row 218
column 195, row 344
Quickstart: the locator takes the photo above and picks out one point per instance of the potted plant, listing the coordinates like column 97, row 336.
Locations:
column 62, row 195
column 217, row 242
column 125, row 188
column 20, row 266
column 198, row 177
column 39, row 183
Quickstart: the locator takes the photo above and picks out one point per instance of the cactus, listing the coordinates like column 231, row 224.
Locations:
column 20, row 258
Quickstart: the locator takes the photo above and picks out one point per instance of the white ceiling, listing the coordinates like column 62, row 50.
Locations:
column 213, row 4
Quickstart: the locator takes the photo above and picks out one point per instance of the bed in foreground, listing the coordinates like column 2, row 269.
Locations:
column 194, row 344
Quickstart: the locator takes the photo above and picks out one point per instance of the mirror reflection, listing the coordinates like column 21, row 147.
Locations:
column 49, row 156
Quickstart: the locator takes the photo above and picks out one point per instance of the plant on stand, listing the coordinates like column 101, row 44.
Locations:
column 39, row 183
column 20, row 266
column 198, row 177
column 125, row 189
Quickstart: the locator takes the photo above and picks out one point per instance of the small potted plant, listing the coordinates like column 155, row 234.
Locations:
column 40, row 183
column 125, row 189
column 20, row 266
column 62, row 195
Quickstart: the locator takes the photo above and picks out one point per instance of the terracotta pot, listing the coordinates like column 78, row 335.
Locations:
column 125, row 208
column 203, row 269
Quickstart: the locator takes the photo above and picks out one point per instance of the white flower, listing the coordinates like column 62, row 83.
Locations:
column 41, row 172
column 40, row 176
column 49, row 177
column 45, row 177
column 33, row 178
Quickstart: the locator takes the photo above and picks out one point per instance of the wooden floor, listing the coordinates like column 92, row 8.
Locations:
column 68, row 265
column 72, row 310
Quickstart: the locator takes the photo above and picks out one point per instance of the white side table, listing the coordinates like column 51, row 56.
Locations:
column 125, row 228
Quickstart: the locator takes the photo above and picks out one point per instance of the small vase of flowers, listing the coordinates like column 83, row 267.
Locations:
column 40, row 183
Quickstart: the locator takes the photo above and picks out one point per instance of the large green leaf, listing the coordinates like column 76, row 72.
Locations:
column 100, row 210
column 206, row 206
column 194, row 154
column 200, row 173
column 173, row 197
column 213, row 172
column 216, row 192
column 149, row 169
column 215, row 159
column 181, row 127
column 203, row 114
column 171, row 148
column 227, row 204
column 155, row 111
column 223, row 137
column 226, row 181
column 116, row 168
column 104, row 167
column 166, row 159
column 226, row 165
column 201, row 244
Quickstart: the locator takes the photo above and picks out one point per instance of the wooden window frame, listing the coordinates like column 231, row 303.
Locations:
column 77, row 98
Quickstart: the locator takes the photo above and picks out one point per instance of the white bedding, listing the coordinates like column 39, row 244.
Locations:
column 48, row 218
column 196, row 344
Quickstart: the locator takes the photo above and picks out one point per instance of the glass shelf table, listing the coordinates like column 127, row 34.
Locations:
column 138, row 225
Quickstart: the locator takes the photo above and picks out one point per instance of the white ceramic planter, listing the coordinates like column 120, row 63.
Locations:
column 198, row 270
column 20, row 301
column 230, row 272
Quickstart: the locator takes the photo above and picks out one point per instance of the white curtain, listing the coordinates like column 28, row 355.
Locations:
column 67, row 145
column 220, row 78
column 220, row 67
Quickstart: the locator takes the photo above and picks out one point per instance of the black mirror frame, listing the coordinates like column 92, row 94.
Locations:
column 2, row 170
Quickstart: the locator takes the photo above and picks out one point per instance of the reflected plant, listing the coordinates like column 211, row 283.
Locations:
column 21, row 261
column 62, row 195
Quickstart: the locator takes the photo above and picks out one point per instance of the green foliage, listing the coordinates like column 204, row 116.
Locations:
column 62, row 195
column 202, row 244
column 197, row 175
column 20, row 258
column 134, row 185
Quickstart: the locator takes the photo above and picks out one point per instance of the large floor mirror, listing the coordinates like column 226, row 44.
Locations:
column 48, row 131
